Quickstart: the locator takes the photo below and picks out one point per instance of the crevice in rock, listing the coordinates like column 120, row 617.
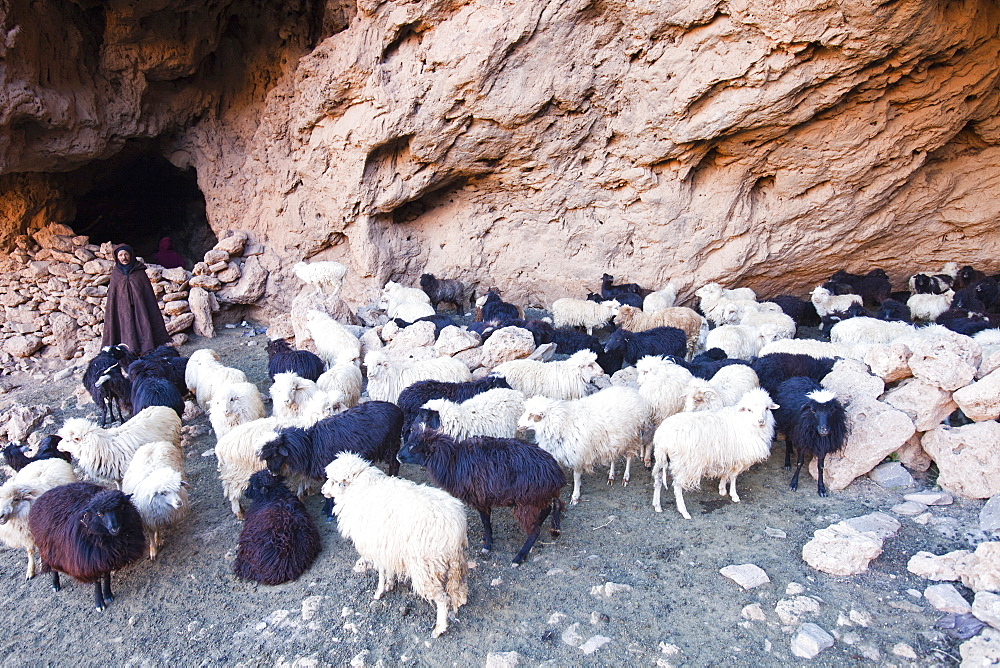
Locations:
column 138, row 197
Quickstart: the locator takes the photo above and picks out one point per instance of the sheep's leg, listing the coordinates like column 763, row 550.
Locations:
column 487, row 531
column 679, row 499
column 647, row 455
column 98, row 596
column 55, row 581
column 441, row 624
column 722, row 485
column 381, row 589
column 798, row 468
column 575, row 499
column 658, row 481
column 732, row 489
column 328, row 509
column 557, row 508
column 393, row 467
column 106, row 588
column 153, row 544
column 821, row 486
column 31, row 564
column 628, row 471
column 788, row 453
column 104, row 412
column 532, row 537
column 611, row 473
column 237, row 509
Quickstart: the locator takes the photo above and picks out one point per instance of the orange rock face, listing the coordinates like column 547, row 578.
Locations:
column 535, row 146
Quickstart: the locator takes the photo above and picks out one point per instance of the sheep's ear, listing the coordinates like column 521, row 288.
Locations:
column 185, row 483
column 774, row 407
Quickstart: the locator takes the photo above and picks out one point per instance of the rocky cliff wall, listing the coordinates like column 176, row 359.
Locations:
column 534, row 145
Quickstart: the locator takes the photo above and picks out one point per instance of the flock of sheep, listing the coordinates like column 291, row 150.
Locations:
column 695, row 394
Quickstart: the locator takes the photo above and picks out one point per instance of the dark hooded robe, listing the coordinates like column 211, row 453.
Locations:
column 131, row 315
column 167, row 257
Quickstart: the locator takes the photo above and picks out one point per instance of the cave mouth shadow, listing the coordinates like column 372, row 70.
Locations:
column 138, row 197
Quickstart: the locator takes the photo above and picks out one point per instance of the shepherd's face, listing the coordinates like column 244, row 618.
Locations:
column 123, row 256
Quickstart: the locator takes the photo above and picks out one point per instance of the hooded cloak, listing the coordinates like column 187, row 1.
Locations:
column 131, row 314
column 167, row 257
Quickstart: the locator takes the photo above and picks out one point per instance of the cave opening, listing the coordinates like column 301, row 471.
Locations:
column 138, row 197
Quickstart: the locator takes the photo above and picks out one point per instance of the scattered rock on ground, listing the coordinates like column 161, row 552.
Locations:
column 989, row 516
column 983, row 650
column 986, row 607
column 747, row 576
column 945, row 597
column 810, row 641
column 891, row 475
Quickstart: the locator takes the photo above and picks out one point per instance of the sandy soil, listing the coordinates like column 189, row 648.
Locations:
column 186, row 608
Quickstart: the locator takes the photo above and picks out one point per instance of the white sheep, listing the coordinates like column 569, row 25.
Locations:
column 926, row 308
column 343, row 377
column 815, row 348
column 701, row 395
column 568, row 379
column 569, row 312
column 713, row 444
column 410, row 311
column 769, row 313
column 741, row 341
column 205, row 374
column 726, row 388
column 826, row 302
column 869, row 330
column 388, row 377
column 491, row 413
column 405, row 530
column 238, row 457
column 660, row 299
column 16, row 497
column 583, row 433
column 722, row 306
column 155, row 479
column 662, row 386
column 289, row 394
column 234, row 405
column 328, row 275
column 694, row 326
column 104, row 454
column 333, row 340
column 395, row 295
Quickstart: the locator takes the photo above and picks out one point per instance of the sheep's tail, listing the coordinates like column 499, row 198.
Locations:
column 557, row 508
column 456, row 586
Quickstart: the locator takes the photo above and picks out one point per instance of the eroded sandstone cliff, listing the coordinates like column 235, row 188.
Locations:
column 532, row 145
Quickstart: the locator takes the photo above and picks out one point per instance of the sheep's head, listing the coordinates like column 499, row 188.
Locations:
column 377, row 363
column 757, row 404
column 626, row 315
column 103, row 514
column 265, row 486
column 768, row 333
column 277, row 346
column 203, row 355
column 586, row 362
column 14, row 500
column 535, row 411
column 709, row 291
column 701, row 396
column 819, row 295
column 162, row 484
column 428, row 282
column 274, row 453
column 345, row 470
column 419, row 444
column 73, row 433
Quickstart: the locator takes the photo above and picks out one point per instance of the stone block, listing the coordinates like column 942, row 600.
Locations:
column 967, row 457
column 891, row 475
column 925, row 403
column 980, row 401
column 506, row 344
column 890, row 362
column 851, row 380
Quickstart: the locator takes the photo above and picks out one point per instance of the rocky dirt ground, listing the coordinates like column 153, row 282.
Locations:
column 673, row 607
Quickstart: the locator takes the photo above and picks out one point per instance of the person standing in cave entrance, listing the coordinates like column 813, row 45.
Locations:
column 167, row 257
column 131, row 315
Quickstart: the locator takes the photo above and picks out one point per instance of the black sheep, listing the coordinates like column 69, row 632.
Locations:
column 988, row 291
column 440, row 322
column 494, row 308
column 801, row 311
column 151, row 388
column 86, row 532
column 444, row 290
column 775, row 368
column 963, row 322
column 966, row 300
column 372, row 430
column 890, row 309
column 655, row 341
column 705, row 365
column 624, row 298
column 172, row 366
column 47, row 449
column 967, row 277
column 874, row 287
column 611, row 291
column 487, row 472
column 279, row 541
column 812, row 420
column 926, row 284
column 281, row 357
column 105, row 380
column 855, row 310
column 567, row 339
column 419, row 393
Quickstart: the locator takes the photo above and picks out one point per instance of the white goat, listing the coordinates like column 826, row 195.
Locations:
column 345, row 378
column 387, row 377
column 491, row 413
column 769, row 313
column 741, row 341
column 568, row 379
column 238, row 457
column 826, row 302
column 234, row 405
column 869, row 330
column 104, row 454
column 155, row 479
column 722, row 306
column 405, row 530
column 582, row 433
column 661, row 299
column 289, row 394
column 334, row 342
column 329, row 275
column 16, row 497
column 662, row 384
column 569, row 312
column 713, row 444
column 205, row 374
column 926, row 308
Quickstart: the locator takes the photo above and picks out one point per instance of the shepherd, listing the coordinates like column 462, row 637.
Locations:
column 131, row 315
